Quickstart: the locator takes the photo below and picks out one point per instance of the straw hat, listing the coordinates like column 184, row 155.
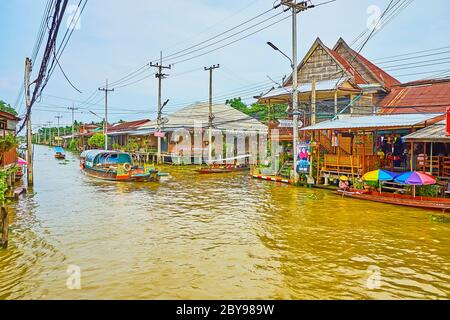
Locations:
column 344, row 178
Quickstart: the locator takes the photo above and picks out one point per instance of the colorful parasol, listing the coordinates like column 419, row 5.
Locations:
column 21, row 162
column 380, row 175
column 416, row 179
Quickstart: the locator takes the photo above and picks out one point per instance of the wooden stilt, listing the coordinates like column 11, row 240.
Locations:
column 4, row 228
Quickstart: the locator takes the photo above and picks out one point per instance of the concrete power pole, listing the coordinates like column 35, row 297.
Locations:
column 73, row 109
column 49, row 123
column 58, row 117
column 29, row 132
column 211, row 115
column 105, row 125
column 160, row 75
column 295, row 7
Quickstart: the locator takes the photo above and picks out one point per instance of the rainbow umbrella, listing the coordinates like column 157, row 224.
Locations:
column 415, row 178
column 380, row 175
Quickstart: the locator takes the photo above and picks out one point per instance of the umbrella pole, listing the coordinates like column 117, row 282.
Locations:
column 414, row 191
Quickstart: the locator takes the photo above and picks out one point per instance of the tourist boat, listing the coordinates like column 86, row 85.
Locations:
column 115, row 166
column 59, row 153
column 442, row 204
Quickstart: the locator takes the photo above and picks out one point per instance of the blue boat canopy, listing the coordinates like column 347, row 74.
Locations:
column 96, row 157
column 59, row 150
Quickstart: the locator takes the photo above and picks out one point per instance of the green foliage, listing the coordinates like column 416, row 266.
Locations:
column 97, row 141
column 428, row 191
column 259, row 111
column 7, row 108
column 8, row 142
column 116, row 146
column 132, row 145
column 72, row 145
column 3, row 183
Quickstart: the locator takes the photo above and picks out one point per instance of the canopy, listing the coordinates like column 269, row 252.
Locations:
column 416, row 179
column 21, row 162
column 380, row 175
column 59, row 150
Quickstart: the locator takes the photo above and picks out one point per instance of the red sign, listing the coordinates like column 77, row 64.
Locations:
column 447, row 128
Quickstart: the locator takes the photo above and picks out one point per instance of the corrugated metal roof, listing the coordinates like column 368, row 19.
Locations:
column 434, row 133
column 225, row 117
column 376, row 121
column 327, row 85
column 419, row 96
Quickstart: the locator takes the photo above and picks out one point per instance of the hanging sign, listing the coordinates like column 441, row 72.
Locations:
column 160, row 134
column 289, row 124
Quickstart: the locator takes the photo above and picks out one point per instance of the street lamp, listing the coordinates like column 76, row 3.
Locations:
column 295, row 108
column 274, row 47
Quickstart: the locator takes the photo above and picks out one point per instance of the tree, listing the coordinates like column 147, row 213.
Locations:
column 7, row 108
column 259, row 111
column 97, row 140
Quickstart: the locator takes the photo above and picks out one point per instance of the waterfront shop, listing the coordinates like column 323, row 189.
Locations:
column 178, row 130
column 353, row 146
column 431, row 147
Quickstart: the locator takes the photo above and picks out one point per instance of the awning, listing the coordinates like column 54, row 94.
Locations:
column 434, row 133
column 391, row 121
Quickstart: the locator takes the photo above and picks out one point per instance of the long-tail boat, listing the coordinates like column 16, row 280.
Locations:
column 115, row 166
column 430, row 203
column 59, row 153
column 224, row 167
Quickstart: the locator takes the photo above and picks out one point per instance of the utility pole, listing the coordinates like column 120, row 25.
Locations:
column 28, row 67
column 73, row 120
column 49, row 123
column 211, row 115
column 105, row 125
column 58, row 117
column 160, row 75
column 295, row 7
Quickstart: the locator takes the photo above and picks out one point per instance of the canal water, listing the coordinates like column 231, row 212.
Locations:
column 214, row 237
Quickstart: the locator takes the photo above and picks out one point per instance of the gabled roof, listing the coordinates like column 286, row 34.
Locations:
column 128, row 125
column 349, row 67
column 418, row 96
column 319, row 43
column 383, row 77
column 225, row 117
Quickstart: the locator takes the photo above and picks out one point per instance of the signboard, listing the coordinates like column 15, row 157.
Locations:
column 303, row 152
column 160, row 134
column 447, row 127
column 289, row 123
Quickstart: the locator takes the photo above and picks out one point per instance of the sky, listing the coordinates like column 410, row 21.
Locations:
column 117, row 37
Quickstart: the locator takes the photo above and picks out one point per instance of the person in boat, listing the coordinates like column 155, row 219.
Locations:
column 344, row 184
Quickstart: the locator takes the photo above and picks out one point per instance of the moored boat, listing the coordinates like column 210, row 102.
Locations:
column 59, row 153
column 222, row 169
column 442, row 204
column 115, row 166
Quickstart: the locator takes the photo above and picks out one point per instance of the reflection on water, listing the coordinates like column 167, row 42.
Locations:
column 207, row 237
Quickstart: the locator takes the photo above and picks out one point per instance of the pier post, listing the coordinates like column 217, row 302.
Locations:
column 4, row 228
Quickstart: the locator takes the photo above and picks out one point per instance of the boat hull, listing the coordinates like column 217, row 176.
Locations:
column 401, row 200
column 221, row 170
column 112, row 176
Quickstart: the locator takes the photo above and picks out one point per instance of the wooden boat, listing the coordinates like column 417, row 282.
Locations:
column 59, row 153
column 115, row 166
column 223, row 169
column 442, row 204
